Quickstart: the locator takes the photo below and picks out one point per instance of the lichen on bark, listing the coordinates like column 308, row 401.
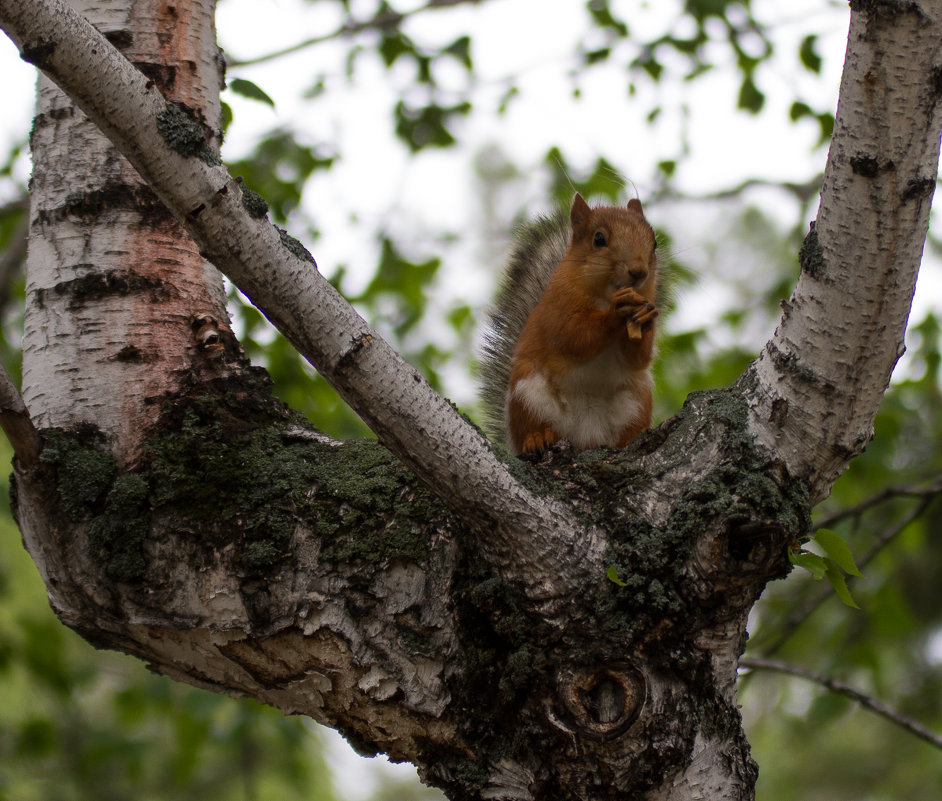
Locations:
column 235, row 466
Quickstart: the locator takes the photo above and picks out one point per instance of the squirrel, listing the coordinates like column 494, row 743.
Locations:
column 570, row 340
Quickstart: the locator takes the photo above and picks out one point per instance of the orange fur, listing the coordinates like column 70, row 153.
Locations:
column 580, row 368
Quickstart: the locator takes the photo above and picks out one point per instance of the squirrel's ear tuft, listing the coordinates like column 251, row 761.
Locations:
column 635, row 205
column 579, row 213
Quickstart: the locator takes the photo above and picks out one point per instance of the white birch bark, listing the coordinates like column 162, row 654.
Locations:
column 819, row 380
column 131, row 283
column 424, row 430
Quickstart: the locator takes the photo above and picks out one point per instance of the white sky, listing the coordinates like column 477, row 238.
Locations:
column 527, row 39
column 417, row 198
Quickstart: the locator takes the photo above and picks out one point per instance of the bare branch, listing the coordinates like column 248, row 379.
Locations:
column 886, row 494
column 382, row 21
column 804, row 192
column 522, row 535
column 867, row 702
column 16, row 423
column 815, row 389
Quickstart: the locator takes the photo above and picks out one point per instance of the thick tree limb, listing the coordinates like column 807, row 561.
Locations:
column 522, row 534
column 815, row 389
column 325, row 579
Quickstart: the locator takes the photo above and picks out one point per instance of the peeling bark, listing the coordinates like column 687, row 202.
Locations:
column 563, row 630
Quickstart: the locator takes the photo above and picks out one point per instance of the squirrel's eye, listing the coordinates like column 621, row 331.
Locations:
column 599, row 240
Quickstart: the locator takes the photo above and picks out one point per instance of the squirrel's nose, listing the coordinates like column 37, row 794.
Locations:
column 637, row 274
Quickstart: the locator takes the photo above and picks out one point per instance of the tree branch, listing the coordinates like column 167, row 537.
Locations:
column 523, row 535
column 16, row 422
column 816, row 387
column 803, row 192
column 839, row 687
column 886, row 494
column 382, row 21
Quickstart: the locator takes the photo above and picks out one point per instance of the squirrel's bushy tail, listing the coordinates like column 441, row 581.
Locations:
column 539, row 247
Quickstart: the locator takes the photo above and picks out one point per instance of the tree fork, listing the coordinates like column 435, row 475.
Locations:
column 489, row 646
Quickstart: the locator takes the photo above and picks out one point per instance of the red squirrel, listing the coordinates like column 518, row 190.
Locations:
column 572, row 334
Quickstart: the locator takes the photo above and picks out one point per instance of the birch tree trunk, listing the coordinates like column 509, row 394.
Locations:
column 423, row 596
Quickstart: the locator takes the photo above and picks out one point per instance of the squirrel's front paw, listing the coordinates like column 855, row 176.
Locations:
column 645, row 315
column 536, row 442
column 636, row 310
column 626, row 300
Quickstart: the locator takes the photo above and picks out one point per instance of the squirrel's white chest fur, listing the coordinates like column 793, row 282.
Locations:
column 592, row 403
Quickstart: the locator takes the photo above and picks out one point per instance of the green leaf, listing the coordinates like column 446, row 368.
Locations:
column 250, row 90
column 595, row 56
column 603, row 17
column 826, row 122
column 428, row 126
column 799, row 110
column 750, row 98
column 808, row 55
column 461, row 50
column 839, row 583
column 226, row 119
column 506, row 98
column 460, row 317
column 612, row 574
column 835, row 547
column 814, row 564
column 393, row 46
column 650, row 65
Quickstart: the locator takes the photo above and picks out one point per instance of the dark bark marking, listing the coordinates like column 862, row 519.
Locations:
column 163, row 75
column 295, row 246
column 254, row 204
column 121, row 39
column 114, row 195
column 133, row 355
column 864, row 165
column 97, row 285
column 918, row 188
column 935, row 80
column 779, row 412
column 38, row 53
column 790, row 363
column 886, row 8
column 811, row 257
column 183, row 131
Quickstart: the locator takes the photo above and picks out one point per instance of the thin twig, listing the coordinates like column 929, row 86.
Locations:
column 835, row 686
column 382, row 21
column 883, row 496
column 802, row 191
